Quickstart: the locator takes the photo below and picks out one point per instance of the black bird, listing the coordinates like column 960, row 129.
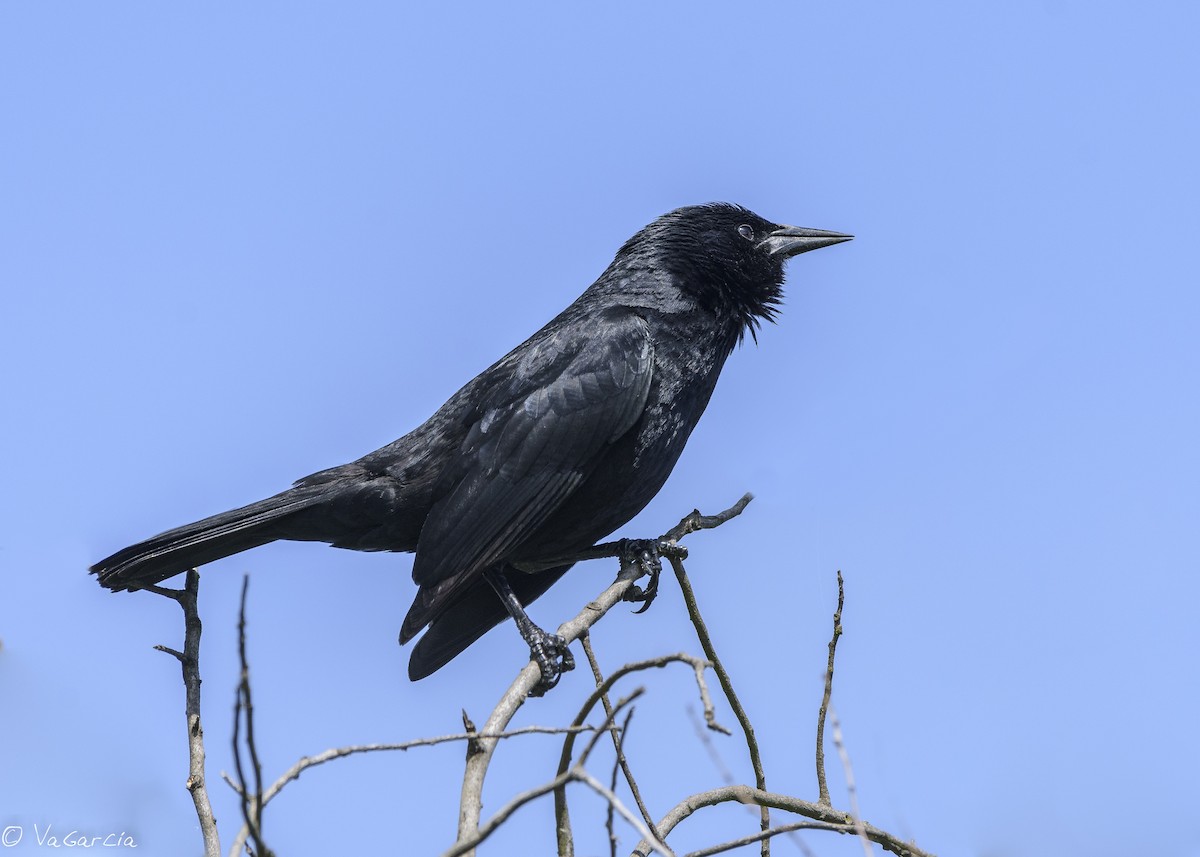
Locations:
column 553, row 447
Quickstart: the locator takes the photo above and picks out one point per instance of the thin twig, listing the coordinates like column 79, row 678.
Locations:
column 695, row 522
column 767, row 834
column 251, row 803
column 294, row 772
column 745, row 794
column 822, row 787
column 710, row 652
column 713, row 753
column 304, row 763
column 668, row 542
column 848, row 772
column 610, row 813
column 710, row 712
column 618, row 740
column 189, row 659
column 616, row 769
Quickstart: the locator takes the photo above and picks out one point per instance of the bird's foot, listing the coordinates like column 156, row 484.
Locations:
column 548, row 650
column 553, row 658
column 641, row 557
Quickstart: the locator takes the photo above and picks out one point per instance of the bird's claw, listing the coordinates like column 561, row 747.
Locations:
column 641, row 557
column 553, row 658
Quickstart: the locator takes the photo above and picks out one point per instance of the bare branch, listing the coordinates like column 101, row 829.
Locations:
column 745, row 794
column 767, row 834
column 304, row 763
column 172, row 652
column 238, row 790
column 468, row 844
column 695, row 521
column 189, row 659
column 617, row 760
column 848, row 771
column 618, row 741
column 689, row 597
column 710, row 713
column 822, row 787
column 294, row 772
column 251, row 802
column 668, row 542
column 470, row 804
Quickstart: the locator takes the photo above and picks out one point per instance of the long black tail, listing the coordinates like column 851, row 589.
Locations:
column 177, row 550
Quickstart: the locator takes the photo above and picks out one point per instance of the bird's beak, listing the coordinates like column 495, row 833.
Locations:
column 788, row 241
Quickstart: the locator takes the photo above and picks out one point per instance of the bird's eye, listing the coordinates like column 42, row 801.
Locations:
column 746, row 231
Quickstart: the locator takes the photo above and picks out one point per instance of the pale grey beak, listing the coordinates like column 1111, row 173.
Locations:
column 790, row 241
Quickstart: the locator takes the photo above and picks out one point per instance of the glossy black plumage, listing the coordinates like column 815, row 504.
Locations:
column 553, row 447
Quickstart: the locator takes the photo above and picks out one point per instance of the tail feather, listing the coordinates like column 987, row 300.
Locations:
column 191, row 545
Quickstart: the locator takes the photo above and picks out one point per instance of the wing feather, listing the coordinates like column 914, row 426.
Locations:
column 531, row 444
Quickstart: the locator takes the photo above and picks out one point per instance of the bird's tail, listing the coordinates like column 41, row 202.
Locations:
column 182, row 548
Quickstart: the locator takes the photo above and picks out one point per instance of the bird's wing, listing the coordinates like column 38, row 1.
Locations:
column 535, row 439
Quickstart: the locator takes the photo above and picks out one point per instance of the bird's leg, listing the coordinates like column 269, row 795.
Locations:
column 638, row 557
column 549, row 650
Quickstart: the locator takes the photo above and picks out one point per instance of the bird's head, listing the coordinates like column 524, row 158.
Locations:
column 726, row 256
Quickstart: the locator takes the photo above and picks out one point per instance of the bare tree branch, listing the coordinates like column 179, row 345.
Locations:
column 618, row 742
column 822, row 787
column 294, row 772
column 848, row 772
column 694, row 522
column 745, row 794
column 689, row 597
column 304, row 763
column 470, row 803
column 251, row 802
column 189, row 659
column 466, row 845
column 767, row 834
column 620, row 756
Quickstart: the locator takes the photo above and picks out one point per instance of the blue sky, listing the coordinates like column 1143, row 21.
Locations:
column 244, row 243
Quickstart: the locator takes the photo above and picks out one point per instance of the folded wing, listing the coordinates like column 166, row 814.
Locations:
column 533, row 441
